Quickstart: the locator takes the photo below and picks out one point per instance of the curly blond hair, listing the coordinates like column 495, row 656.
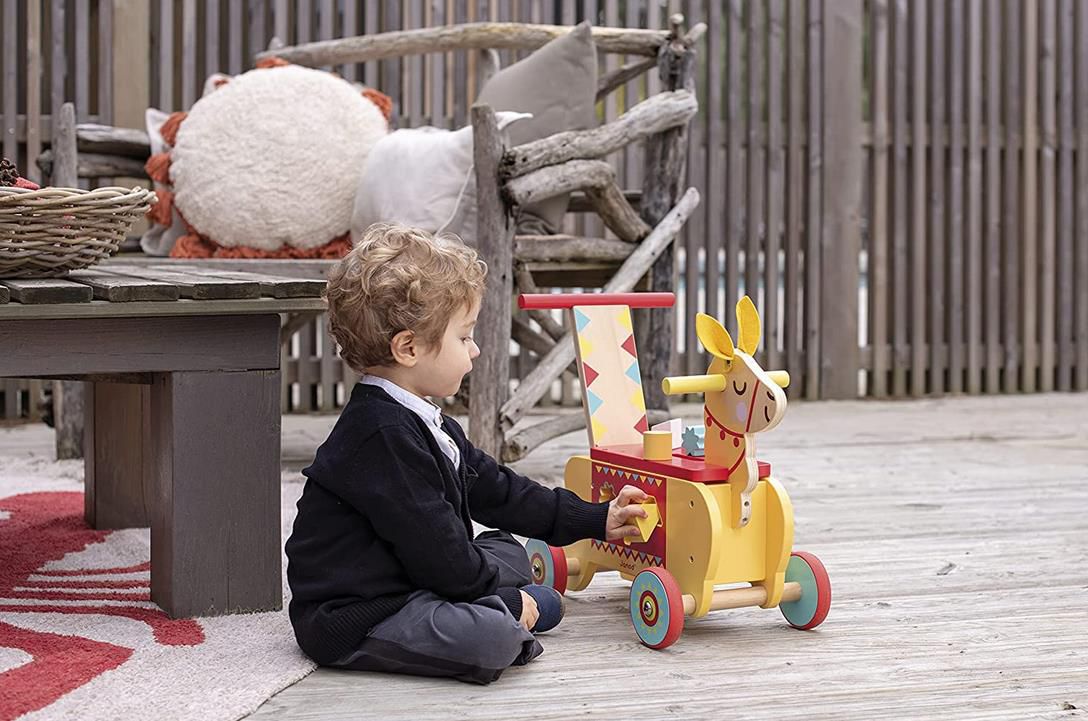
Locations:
column 399, row 278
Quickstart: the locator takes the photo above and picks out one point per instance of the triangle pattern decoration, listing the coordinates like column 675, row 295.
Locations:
column 594, row 401
column 581, row 320
column 633, row 373
column 590, row 374
column 624, row 318
column 629, row 345
column 642, row 426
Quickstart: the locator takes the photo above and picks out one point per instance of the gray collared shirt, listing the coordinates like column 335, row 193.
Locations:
column 425, row 409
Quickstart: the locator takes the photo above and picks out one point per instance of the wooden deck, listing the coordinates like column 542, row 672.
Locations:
column 956, row 535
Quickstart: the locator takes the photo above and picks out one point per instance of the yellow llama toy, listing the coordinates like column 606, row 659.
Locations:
column 712, row 520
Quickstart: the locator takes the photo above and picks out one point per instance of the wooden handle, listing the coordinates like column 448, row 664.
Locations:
column 552, row 301
column 741, row 597
column 677, row 385
column 574, row 566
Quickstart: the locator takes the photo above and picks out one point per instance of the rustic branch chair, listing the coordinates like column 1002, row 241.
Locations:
column 511, row 177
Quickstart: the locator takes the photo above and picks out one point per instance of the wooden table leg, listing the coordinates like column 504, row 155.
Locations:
column 215, row 527
column 117, row 455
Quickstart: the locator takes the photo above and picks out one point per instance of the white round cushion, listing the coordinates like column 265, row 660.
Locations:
column 274, row 158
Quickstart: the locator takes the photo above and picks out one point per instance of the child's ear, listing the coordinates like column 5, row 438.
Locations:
column 404, row 348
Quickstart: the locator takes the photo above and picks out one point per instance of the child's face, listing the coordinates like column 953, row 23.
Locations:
column 439, row 373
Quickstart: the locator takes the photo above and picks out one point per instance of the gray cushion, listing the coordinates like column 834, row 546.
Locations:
column 558, row 85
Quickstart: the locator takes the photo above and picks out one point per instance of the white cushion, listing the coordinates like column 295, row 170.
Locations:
column 422, row 177
column 273, row 158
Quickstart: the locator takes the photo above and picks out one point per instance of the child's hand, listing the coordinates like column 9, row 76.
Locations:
column 529, row 611
column 622, row 508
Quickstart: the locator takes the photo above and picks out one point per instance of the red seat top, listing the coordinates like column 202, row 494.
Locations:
column 681, row 465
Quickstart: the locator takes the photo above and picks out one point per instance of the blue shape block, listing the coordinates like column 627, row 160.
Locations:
column 693, row 438
column 633, row 374
column 594, row 401
column 581, row 320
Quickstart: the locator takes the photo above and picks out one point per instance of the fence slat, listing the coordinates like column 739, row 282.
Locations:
column 189, row 39
column 304, row 15
column 1066, row 192
column 1047, row 196
column 82, row 64
column 330, row 366
column 413, row 67
column 734, row 218
column 105, row 63
column 756, row 153
column 795, row 175
column 33, row 88
column 936, row 252
column 716, row 220
column 772, row 336
column 877, row 281
column 814, row 212
column 1013, row 337
column 1029, row 238
column 236, row 32
column 307, row 378
column 370, row 68
column 167, row 66
column 257, row 35
column 10, row 51
column 955, row 243
column 900, row 191
column 1081, row 260
column 973, row 217
column 918, row 201
column 843, row 160
column 212, row 61
column 58, row 70
column 281, row 21
column 438, row 68
column 994, row 220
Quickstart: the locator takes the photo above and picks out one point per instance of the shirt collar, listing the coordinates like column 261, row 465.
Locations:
column 425, row 409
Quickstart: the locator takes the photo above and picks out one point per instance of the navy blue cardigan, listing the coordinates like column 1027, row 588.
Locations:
column 383, row 514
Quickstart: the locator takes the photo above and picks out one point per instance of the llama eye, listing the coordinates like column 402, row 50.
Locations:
column 740, row 391
column 770, row 395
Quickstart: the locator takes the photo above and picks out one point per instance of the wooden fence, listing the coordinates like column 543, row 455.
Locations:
column 901, row 185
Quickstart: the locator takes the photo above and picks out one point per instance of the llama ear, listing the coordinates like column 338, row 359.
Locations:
column 748, row 326
column 714, row 337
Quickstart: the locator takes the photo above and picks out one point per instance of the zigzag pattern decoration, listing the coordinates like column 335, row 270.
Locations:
column 608, row 360
column 625, row 552
column 626, row 475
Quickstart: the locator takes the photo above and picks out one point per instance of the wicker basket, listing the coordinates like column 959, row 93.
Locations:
column 48, row 232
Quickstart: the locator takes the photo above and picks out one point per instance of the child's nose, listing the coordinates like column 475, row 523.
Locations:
column 473, row 350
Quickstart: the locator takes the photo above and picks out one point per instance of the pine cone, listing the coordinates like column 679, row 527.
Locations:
column 8, row 173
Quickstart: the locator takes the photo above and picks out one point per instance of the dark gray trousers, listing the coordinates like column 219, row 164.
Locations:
column 473, row 642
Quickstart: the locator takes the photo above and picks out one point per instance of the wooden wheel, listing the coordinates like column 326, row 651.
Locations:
column 657, row 608
column 811, row 609
column 548, row 564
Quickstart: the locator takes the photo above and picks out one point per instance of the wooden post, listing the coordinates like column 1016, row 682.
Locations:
column 67, row 395
column 666, row 155
column 117, row 464
column 495, row 244
column 841, row 233
column 215, row 544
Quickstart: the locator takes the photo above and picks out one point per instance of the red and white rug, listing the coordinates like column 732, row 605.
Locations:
column 80, row 637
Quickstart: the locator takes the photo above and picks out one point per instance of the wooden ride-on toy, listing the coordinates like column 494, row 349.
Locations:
column 712, row 520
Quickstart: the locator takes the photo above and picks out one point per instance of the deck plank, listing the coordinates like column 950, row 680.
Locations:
column 954, row 533
column 196, row 286
column 275, row 286
column 124, row 289
column 42, row 291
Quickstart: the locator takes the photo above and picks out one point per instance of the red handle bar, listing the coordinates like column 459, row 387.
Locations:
column 552, row 301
